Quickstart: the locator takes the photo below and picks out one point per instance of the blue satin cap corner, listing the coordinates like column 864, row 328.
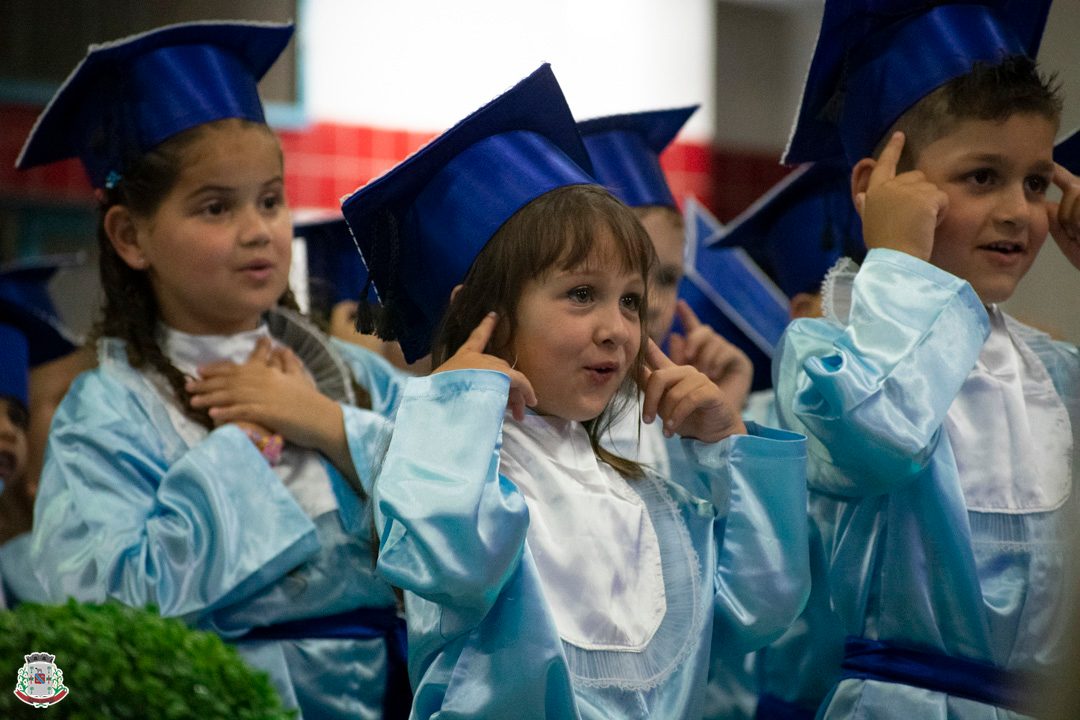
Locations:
column 799, row 228
column 451, row 196
column 14, row 364
column 128, row 96
column 25, row 304
column 625, row 153
column 874, row 59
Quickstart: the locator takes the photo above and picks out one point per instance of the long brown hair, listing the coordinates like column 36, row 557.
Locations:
column 555, row 231
column 130, row 310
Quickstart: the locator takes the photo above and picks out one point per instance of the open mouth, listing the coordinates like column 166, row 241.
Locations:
column 602, row 371
column 1004, row 248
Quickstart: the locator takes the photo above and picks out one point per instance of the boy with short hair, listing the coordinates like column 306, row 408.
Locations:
column 942, row 432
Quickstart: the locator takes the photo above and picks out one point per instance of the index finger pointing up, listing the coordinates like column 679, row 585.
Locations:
column 687, row 317
column 655, row 358
column 481, row 334
column 885, row 169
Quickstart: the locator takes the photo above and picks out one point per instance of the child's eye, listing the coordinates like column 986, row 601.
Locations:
column 631, row 302
column 1037, row 184
column 581, row 294
column 272, row 201
column 983, row 176
column 214, row 208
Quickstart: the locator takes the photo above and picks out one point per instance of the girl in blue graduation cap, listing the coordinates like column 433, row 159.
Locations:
column 215, row 464
column 943, row 433
column 544, row 575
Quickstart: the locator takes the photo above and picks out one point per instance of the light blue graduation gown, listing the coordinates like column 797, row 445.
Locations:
column 482, row 640
column 128, row 510
column 909, row 563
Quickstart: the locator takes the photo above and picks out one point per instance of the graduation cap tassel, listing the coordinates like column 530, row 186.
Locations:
column 381, row 316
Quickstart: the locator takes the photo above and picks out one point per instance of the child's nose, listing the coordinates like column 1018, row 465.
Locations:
column 613, row 326
column 254, row 227
column 1014, row 207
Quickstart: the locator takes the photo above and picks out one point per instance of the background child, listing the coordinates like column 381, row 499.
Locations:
column 544, row 575
column 213, row 464
column 942, row 431
column 625, row 154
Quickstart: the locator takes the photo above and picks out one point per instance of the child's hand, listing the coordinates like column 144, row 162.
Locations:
column 689, row 403
column 269, row 390
column 705, row 349
column 471, row 356
column 900, row 212
column 1065, row 215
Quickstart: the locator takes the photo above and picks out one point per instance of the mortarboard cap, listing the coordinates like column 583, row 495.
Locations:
column 420, row 226
column 728, row 291
column 25, row 305
column 127, row 96
column 1067, row 152
column 625, row 153
column 335, row 270
column 799, row 228
column 876, row 58
column 14, row 366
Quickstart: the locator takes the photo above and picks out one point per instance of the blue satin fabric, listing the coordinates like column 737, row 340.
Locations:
column 922, row 54
column 908, row 562
column 128, row 511
column 792, row 675
column 482, row 641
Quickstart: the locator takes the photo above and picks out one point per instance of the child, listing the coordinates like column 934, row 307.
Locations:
column 213, row 465
column 544, row 575
column 625, row 154
column 942, row 431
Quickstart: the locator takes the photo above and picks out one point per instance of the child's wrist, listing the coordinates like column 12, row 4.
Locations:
column 269, row 445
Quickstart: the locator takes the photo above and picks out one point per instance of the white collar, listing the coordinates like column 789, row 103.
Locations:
column 590, row 535
column 189, row 352
column 1009, row 430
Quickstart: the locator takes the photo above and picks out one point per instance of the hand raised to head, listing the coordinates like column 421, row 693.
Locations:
column 687, row 401
column 708, row 351
column 899, row 212
column 472, row 356
column 1064, row 215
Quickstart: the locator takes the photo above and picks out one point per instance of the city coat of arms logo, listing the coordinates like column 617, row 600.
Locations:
column 40, row 682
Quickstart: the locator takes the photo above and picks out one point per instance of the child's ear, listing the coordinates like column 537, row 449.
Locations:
column 860, row 176
column 455, row 291
column 123, row 233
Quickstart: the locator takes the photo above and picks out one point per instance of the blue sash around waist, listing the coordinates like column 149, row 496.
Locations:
column 770, row 707
column 960, row 677
column 358, row 624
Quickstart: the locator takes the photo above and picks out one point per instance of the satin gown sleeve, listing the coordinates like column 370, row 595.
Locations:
column 872, row 395
column 756, row 485
column 123, row 513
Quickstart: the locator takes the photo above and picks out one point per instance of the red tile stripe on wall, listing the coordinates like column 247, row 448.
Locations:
column 327, row 160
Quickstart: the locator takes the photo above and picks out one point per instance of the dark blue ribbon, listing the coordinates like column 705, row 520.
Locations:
column 770, row 707
column 866, row 659
column 358, row 624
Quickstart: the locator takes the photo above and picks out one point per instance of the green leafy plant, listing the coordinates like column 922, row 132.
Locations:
column 121, row 662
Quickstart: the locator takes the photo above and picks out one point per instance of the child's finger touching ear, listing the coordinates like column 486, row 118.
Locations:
column 1068, row 210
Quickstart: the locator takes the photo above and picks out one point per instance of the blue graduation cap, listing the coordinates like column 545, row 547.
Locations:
column 727, row 290
column 335, row 270
column 420, row 226
column 14, row 366
column 25, row 305
column 799, row 228
column 625, row 153
column 876, row 58
column 129, row 95
column 1067, row 152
